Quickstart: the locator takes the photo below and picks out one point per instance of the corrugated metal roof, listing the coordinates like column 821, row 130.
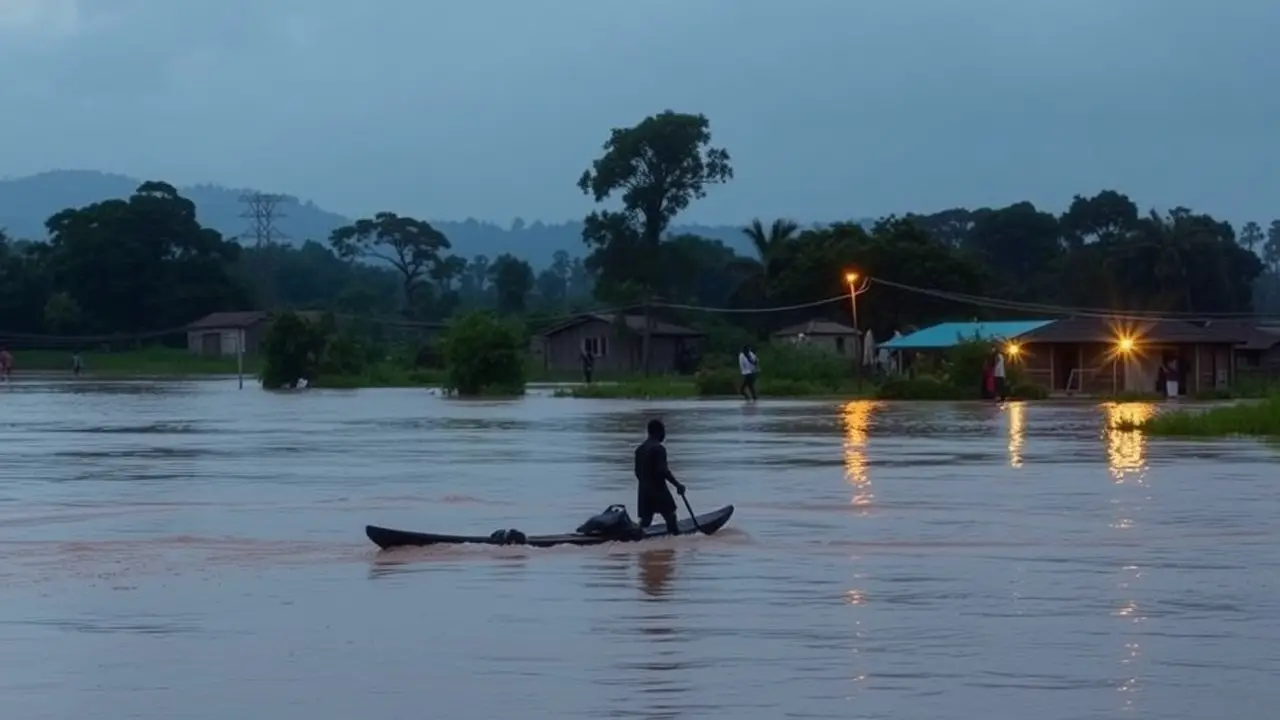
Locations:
column 229, row 320
column 1106, row 330
column 634, row 323
column 948, row 334
column 817, row 327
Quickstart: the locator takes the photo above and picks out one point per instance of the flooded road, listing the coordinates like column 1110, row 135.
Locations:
column 188, row 550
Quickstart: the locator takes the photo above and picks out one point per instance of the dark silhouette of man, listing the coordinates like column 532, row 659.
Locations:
column 652, row 476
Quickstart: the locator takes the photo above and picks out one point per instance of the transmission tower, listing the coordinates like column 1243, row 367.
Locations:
column 262, row 210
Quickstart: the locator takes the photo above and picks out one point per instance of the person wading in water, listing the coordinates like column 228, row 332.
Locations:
column 652, row 476
column 588, row 363
column 749, row 366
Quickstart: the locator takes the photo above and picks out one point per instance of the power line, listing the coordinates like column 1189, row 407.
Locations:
column 958, row 298
column 1063, row 310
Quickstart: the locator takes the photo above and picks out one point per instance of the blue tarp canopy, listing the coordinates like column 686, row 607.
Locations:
column 948, row 334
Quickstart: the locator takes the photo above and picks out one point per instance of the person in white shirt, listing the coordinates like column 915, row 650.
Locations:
column 749, row 366
column 1001, row 391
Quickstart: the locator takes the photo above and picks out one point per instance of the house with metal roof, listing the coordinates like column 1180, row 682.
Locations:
column 615, row 344
column 949, row 334
column 1102, row 355
column 826, row 335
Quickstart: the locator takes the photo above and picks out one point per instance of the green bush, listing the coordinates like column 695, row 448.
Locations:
column 784, row 370
column 811, row 365
column 713, row 382
column 292, row 351
column 483, row 355
column 344, row 355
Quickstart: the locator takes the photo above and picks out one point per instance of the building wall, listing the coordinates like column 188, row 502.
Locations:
column 621, row 352
column 829, row 343
column 1105, row 371
column 222, row 341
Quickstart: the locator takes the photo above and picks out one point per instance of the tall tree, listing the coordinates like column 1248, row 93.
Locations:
column 1271, row 250
column 141, row 264
column 512, row 282
column 409, row 245
column 657, row 168
column 1251, row 236
column 1107, row 216
column 769, row 246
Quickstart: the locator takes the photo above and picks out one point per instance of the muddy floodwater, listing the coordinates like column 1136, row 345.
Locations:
column 177, row 550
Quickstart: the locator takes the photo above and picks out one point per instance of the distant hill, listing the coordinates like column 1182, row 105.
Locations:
column 25, row 204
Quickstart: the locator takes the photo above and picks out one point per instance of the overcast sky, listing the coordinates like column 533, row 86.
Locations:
column 492, row 108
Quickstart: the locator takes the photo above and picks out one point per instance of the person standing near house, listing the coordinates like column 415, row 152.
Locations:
column 988, row 380
column 1171, row 378
column 1001, row 387
column 588, row 363
column 749, row 366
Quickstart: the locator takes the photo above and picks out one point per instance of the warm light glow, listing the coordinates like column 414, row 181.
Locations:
column 1126, row 444
column 851, row 278
column 1017, row 430
column 856, row 418
column 1012, row 349
column 1125, row 344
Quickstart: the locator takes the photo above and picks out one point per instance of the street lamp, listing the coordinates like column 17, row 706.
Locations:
column 1124, row 346
column 851, row 278
column 1012, row 349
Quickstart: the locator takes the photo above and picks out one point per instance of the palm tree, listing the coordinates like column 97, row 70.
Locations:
column 769, row 246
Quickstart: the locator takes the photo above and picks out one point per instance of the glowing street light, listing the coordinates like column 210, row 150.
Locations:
column 852, row 278
column 1012, row 349
column 1125, row 345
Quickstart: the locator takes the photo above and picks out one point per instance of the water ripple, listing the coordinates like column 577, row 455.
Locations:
column 190, row 550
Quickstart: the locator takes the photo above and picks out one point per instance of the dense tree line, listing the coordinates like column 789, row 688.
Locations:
column 145, row 263
column 1102, row 252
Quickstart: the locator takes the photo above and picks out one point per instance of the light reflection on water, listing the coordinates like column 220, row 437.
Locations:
column 1126, row 449
column 194, row 551
column 856, row 417
column 1017, row 411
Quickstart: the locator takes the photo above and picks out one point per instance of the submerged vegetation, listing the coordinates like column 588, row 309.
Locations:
column 1251, row 418
column 484, row 355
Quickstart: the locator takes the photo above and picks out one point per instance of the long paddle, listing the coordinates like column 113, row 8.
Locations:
column 692, row 516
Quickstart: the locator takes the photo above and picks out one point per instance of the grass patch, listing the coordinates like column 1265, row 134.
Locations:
column 174, row 362
column 1260, row 419
column 716, row 386
column 145, row 361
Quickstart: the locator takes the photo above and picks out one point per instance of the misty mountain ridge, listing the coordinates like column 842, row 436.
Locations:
column 27, row 202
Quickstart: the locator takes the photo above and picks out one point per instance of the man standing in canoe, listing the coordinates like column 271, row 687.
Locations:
column 652, row 475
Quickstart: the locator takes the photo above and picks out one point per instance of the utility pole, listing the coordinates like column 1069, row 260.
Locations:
column 263, row 210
